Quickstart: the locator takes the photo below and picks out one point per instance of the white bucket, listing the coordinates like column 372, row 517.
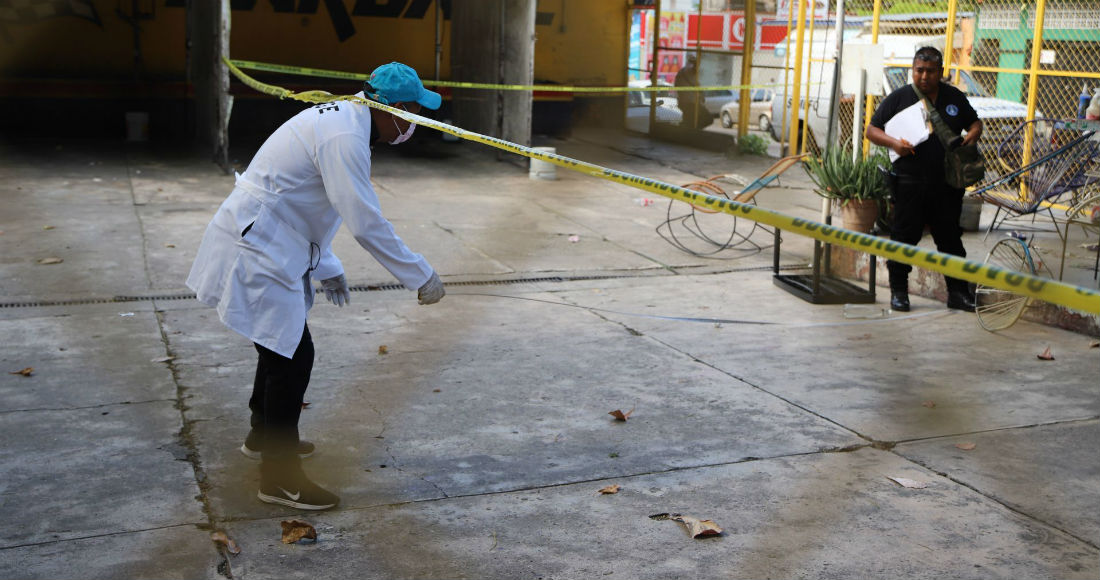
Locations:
column 541, row 169
column 137, row 126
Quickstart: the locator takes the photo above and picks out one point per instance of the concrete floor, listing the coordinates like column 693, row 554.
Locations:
column 475, row 446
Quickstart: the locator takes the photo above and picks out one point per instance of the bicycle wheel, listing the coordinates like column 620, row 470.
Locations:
column 998, row 309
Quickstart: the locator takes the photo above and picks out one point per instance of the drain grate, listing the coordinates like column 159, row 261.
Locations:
column 359, row 288
column 387, row 287
column 83, row 301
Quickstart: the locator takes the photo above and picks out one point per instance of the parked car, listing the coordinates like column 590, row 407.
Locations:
column 638, row 103
column 715, row 100
column 760, row 110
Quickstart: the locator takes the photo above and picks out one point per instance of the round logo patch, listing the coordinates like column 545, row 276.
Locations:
column 952, row 110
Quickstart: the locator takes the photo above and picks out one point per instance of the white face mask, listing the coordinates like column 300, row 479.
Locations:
column 402, row 137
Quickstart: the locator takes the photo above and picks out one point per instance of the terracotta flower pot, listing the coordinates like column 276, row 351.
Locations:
column 859, row 215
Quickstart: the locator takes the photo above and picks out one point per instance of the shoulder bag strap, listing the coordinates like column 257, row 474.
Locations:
column 946, row 136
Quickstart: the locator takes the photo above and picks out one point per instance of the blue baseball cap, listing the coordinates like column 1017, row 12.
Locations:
column 398, row 83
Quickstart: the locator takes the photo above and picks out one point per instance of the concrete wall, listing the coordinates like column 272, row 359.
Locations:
column 87, row 49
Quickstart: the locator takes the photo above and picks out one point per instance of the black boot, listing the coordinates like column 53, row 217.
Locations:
column 899, row 300
column 283, row 482
column 960, row 299
column 959, row 296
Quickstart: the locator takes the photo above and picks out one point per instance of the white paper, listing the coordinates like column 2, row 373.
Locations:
column 910, row 124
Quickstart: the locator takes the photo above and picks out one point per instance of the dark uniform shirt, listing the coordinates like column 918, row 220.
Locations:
column 954, row 109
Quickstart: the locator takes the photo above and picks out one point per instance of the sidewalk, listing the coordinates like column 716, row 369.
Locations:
column 474, row 444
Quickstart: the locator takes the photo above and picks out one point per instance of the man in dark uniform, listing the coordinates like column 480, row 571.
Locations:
column 691, row 103
column 921, row 196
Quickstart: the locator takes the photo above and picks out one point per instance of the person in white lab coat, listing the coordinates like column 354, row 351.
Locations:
column 274, row 233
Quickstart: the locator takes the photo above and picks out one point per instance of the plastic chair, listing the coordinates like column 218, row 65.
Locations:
column 690, row 222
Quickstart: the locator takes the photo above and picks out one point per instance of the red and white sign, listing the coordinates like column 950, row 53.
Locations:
column 726, row 31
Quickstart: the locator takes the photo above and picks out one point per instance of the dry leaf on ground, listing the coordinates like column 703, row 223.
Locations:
column 906, row 482
column 1094, row 344
column 966, row 446
column 929, row 404
column 621, row 416
column 610, row 489
column 25, row 372
column 221, row 539
column 294, row 530
column 696, row 527
column 383, row 349
column 47, row 227
column 53, row 260
column 305, row 404
column 1046, row 355
column 163, row 359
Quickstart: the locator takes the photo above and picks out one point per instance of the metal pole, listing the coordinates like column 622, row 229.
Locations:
column 874, row 40
column 746, row 68
column 653, row 68
column 949, row 40
column 701, row 98
column 786, row 81
column 438, row 37
column 834, row 110
column 796, row 90
column 1033, row 87
column 225, row 98
column 809, row 75
column 857, row 113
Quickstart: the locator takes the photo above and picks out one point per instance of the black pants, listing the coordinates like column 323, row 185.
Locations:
column 918, row 203
column 277, row 396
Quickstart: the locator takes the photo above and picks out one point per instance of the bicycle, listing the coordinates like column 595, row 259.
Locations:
column 998, row 309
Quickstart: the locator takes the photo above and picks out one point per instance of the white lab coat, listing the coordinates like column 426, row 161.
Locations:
column 308, row 177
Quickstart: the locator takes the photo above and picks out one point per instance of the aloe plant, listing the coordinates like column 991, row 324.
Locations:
column 841, row 178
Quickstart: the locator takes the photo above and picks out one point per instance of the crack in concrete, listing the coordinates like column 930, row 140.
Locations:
column 382, row 418
column 186, row 438
column 393, row 458
column 186, row 435
column 396, row 465
column 625, row 326
column 999, row 429
column 621, row 477
column 86, row 407
column 1001, row 503
column 94, row 536
column 889, row 446
column 803, row 408
column 141, row 225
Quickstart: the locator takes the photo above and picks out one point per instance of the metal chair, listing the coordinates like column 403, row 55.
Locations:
column 691, row 224
column 1063, row 159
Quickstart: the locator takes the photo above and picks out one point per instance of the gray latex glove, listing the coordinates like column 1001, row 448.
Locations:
column 432, row 291
column 336, row 290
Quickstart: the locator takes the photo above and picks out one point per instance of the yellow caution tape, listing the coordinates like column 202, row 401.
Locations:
column 1068, row 295
column 335, row 74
